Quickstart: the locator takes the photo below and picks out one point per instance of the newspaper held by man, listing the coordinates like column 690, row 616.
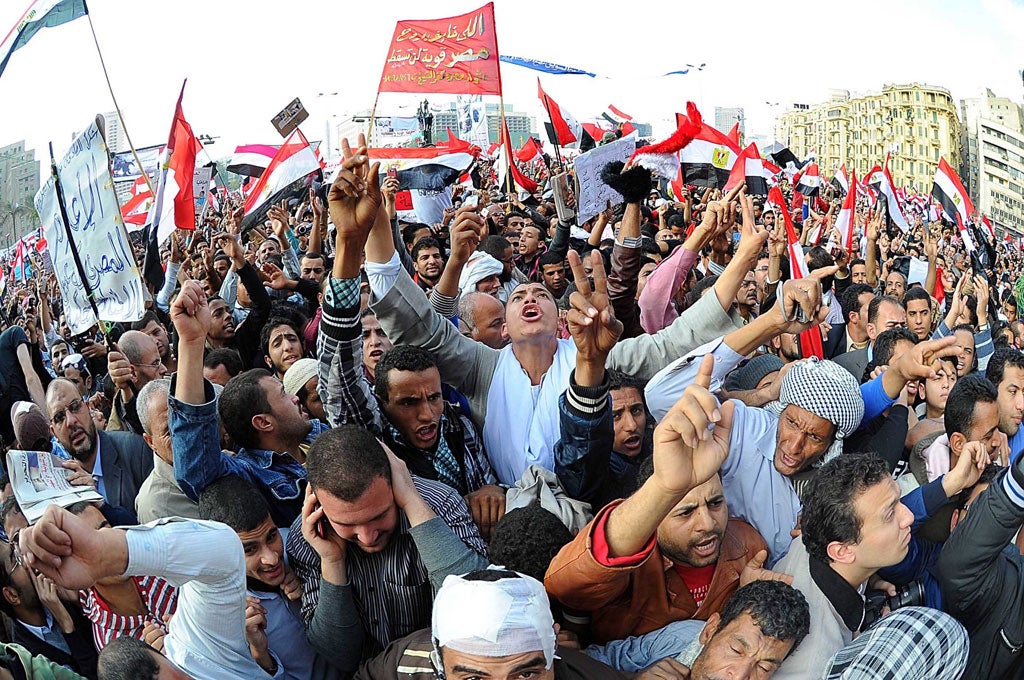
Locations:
column 39, row 480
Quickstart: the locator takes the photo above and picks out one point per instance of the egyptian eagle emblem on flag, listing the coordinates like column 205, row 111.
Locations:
column 720, row 157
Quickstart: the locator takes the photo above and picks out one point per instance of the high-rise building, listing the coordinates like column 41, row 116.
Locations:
column 19, row 182
column 116, row 142
column 726, row 117
column 916, row 124
column 992, row 161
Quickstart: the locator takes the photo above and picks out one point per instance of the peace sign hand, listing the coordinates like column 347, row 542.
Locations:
column 354, row 197
column 591, row 318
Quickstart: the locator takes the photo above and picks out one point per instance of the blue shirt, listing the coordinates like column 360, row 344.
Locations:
column 199, row 461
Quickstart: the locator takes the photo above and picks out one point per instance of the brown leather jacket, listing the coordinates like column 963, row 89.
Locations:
column 626, row 601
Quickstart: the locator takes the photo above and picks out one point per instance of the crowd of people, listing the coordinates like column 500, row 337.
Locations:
column 514, row 444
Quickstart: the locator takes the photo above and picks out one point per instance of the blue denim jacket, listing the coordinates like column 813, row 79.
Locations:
column 199, row 461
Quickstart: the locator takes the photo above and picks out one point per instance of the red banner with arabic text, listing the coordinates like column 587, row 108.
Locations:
column 457, row 55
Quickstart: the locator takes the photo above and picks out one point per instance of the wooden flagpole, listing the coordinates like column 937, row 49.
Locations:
column 117, row 108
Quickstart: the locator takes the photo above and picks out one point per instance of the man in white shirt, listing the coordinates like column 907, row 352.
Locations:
column 206, row 638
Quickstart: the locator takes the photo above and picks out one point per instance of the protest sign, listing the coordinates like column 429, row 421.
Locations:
column 201, row 183
column 290, row 117
column 592, row 194
column 456, row 55
column 125, row 168
column 99, row 238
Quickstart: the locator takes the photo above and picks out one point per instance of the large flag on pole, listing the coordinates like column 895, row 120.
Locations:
column 845, row 220
column 506, row 167
column 455, row 55
column 750, row 168
column 175, row 201
column 567, row 129
column 294, row 161
column 951, row 195
column 40, row 14
column 810, row 340
column 892, row 201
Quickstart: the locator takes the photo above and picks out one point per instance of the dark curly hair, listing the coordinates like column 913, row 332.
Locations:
column 829, row 514
column 527, row 539
column 778, row 609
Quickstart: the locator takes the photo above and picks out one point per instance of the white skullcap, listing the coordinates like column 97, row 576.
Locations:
column 479, row 266
column 494, row 618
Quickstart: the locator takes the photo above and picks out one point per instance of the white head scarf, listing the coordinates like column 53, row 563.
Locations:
column 479, row 267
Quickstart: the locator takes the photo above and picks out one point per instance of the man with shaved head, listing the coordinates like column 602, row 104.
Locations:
column 118, row 461
column 138, row 363
column 484, row 316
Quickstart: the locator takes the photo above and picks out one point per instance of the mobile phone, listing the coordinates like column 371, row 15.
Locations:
column 473, row 200
column 393, row 171
column 321, row 525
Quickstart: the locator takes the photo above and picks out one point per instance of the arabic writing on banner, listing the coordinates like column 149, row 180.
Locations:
column 457, row 55
column 593, row 194
column 99, row 237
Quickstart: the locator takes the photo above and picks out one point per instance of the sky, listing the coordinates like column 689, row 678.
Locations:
column 245, row 60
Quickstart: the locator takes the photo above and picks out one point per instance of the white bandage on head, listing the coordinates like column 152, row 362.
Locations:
column 494, row 618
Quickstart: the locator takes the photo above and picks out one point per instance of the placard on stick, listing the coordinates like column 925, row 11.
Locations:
column 99, row 237
column 593, row 195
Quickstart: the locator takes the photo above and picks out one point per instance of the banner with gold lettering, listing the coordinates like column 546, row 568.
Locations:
column 457, row 55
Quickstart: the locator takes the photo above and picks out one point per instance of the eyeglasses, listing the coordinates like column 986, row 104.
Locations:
column 152, row 364
column 16, row 558
column 748, row 284
column 60, row 415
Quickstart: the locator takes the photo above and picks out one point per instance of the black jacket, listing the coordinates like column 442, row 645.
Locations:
column 82, row 656
column 982, row 578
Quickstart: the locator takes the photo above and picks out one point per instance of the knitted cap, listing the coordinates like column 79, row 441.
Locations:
column 298, row 374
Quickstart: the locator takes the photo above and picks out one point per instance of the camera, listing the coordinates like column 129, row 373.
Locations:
column 910, row 595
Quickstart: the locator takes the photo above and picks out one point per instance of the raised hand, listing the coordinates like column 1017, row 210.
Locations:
column 274, row 277
column 278, row 215
column 466, row 233
column 354, row 197
column 752, row 235
column 686, row 452
column 799, row 306
column 918, row 363
column 190, row 313
column 592, row 322
column 66, row 549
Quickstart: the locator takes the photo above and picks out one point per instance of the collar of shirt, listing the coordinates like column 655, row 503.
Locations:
column 40, row 631
column 265, row 457
column 97, row 466
column 846, row 599
column 851, row 345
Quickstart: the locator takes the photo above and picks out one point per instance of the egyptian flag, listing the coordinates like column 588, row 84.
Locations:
column 175, row 206
column 810, row 340
column 734, row 133
column 888, row 190
column 750, row 168
column 596, row 132
column 567, row 131
column 506, row 167
column 951, row 195
column 785, row 159
column 662, row 158
column 810, row 182
column 426, row 169
column 251, row 159
column 285, row 177
column 840, row 180
column 845, row 221
column 708, row 160
column 529, row 151
column 619, row 120
column 21, row 270
column 985, row 222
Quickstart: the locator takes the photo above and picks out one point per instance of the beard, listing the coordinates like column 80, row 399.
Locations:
column 84, row 451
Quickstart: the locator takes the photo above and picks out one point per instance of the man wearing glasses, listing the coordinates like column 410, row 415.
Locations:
column 137, row 363
column 39, row 620
column 118, row 461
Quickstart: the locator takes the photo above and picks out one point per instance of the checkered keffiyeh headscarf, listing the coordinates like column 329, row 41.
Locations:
column 827, row 390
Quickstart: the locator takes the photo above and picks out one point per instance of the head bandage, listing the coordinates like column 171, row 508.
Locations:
column 479, row 266
column 827, row 390
column 494, row 618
